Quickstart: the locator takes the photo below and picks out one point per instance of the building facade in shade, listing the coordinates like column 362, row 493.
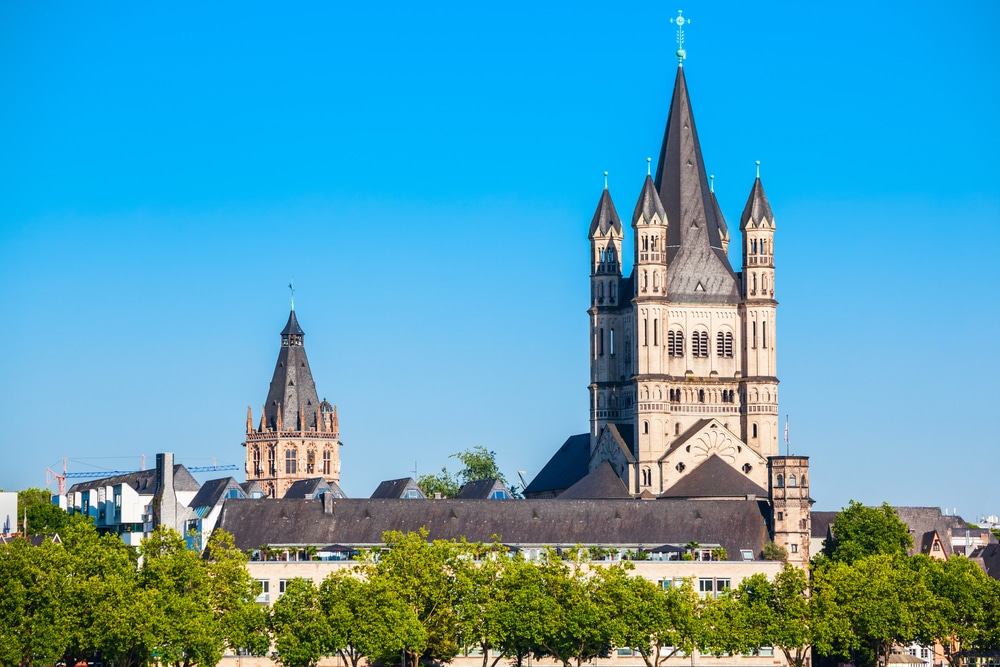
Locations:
column 297, row 435
column 683, row 363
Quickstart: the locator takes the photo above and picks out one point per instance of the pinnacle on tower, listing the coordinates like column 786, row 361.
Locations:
column 605, row 218
column 757, row 212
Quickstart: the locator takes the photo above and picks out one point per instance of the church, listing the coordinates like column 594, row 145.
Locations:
column 683, row 438
column 683, row 351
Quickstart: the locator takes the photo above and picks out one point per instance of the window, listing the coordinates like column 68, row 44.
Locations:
column 654, row 331
column 791, row 480
column 795, row 548
column 724, row 344
column 265, row 591
column 746, row 554
column 753, row 433
column 256, row 462
column 780, row 480
column 754, row 336
column 411, row 494
column 645, row 332
column 311, row 462
column 706, row 587
column 924, row 653
column 282, row 584
column 290, row 462
column 647, row 477
column 675, row 343
column 326, row 463
column 699, row 344
column 763, row 332
column 645, row 427
column 701, row 395
column 499, row 494
column 781, row 515
column 270, row 462
column 234, row 493
column 611, row 340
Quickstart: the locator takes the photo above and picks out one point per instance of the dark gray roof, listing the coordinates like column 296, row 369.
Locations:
column 482, row 488
column 395, row 488
column 820, row 524
column 988, row 557
column 924, row 520
column 625, row 435
column 733, row 524
column 292, row 386
column 310, row 488
column 685, row 436
column 758, row 210
column 143, row 481
column 212, row 492
column 699, row 269
column 602, row 482
column 250, row 488
column 649, row 204
column 566, row 467
column 605, row 217
column 714, row 478
column 292, row 327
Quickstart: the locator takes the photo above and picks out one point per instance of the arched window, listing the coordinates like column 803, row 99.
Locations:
column 311, row 462
column 763, row 332
column 645, row 428
column 724, row 344
column 647, row 477
column 600, row 342
column 803, row 480
column 675, row 343
column 701, row 395
column 654, row 331
column 699, row 344
column 326, row 463
column 611, row 340
column 753, row 247
column 677, row 428
column 753, row 430
column 791, row 480
column 780, row 481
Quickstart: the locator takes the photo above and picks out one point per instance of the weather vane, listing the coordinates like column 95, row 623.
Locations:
column 291, row 289
column 680, row 21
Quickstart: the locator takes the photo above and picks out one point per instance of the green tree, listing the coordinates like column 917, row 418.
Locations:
column 522, row 609
column 579, row 629
column 774, row 551
column 32, row 603
column 443, row 483
column 233, row 596
column 43, row 516
column 969, row 604
column 421, row 574
column 878, row 601
column 650, row 618
column 366, row 618
column 177, row 581
column 301, row 634
column 480, row 464
column 860, row 531
column 782, row 613
column 479, row 605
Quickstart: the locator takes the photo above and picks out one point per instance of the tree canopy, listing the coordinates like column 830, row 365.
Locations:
column 860, row 531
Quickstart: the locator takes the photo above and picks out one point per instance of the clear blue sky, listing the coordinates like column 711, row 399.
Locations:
column 427, row 173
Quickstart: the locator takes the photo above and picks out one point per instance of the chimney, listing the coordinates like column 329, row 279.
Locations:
column 327, row 502
column 164, row 498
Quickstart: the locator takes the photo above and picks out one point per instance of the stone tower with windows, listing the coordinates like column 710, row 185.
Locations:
column 791, row 505
column 683, row 363
column 297, row 435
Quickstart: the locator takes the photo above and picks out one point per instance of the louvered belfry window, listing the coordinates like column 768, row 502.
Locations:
column 675, row 343
column 699, row 344
column 724, row 344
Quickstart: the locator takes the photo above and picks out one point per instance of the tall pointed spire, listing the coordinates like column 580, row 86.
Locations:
column 605, row 217
column 292, row 387
column 757, row 212
column 696, row 232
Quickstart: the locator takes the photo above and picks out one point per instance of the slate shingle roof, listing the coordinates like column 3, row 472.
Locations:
column 292, row 386
column 143, row 481
column 566, row 467
column 699, row 269
column 395, row 488
column 714, row 479
column 481, row 489
column 309, row 488
column 602, row 482
column 733, row 524
column 212, row 491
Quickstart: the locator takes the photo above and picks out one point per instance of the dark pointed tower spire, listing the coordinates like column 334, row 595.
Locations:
column 696, row 234
column 292, row 385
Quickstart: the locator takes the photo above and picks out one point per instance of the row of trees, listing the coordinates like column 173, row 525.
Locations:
column 427, row 601
column 93, row 597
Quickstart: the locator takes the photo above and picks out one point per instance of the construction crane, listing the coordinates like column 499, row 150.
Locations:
column 53, row 476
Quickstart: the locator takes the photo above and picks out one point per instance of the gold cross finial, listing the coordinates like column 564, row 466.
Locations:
column 680, row 22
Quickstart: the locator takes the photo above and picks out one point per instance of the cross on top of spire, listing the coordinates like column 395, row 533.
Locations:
column 680, row 22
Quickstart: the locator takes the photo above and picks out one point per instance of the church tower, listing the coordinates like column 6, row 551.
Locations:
column 297, row 436
column 693, row 379
column 759, row 388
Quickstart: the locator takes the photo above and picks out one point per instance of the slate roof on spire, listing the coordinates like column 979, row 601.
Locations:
column 292, row 385
column 757, row 209
column 292, row 326
column 605, row 217
column 649, row 204
column 694, row 237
